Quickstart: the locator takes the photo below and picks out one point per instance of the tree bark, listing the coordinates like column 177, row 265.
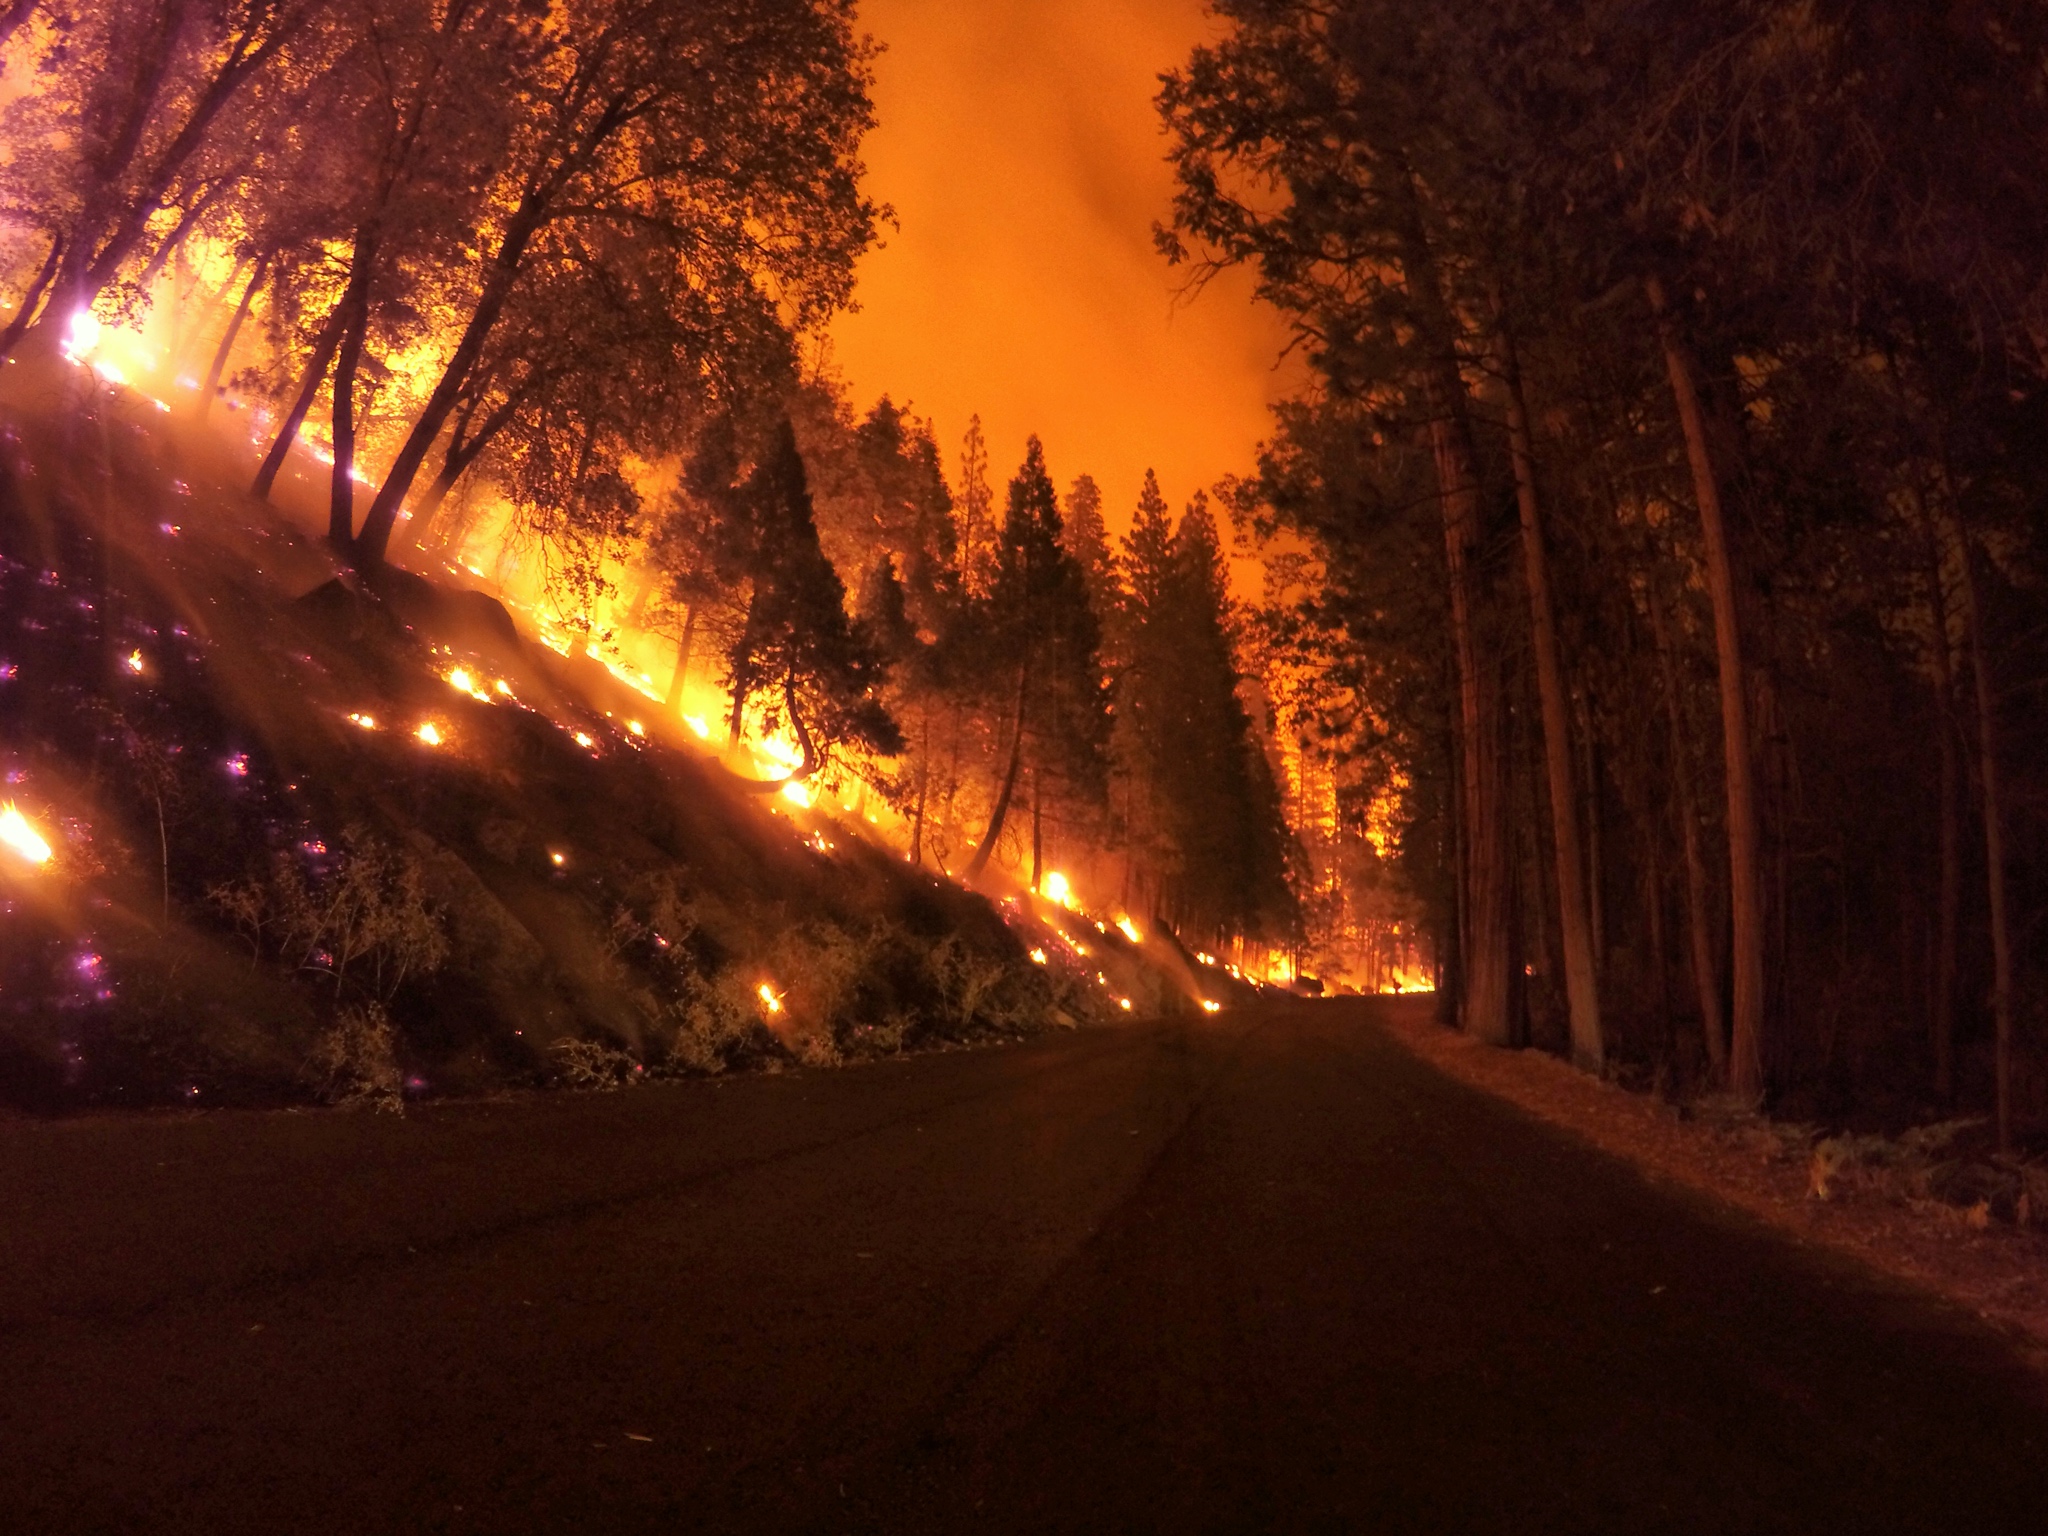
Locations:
column 1002, row 810
column 227, row 341
column 1745, row 1057
column 309, row 391
column 1706, row 975
column 1037, row 831
column 1582, row 991
column 24, row 317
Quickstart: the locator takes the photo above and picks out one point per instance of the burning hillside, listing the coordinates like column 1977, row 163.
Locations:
column 272, row 832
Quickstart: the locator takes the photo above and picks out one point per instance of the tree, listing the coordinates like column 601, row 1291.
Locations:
column 1039, row 629
column 795, row 644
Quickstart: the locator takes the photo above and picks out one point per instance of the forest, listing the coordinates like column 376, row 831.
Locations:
column 1642, row 638
column 1665, row 520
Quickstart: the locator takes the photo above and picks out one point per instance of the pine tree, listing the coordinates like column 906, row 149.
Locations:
column 795, row 643
column 1039, row 630
column 977, row 531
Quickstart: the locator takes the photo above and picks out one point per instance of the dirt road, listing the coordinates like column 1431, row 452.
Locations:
column 1260, row 1273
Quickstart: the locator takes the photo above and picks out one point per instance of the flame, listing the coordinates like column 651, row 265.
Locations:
column 1124, row 1003
column 134, row 663
column 1057, row 888
column 796, row 794
column 429, row 733
column 1130, row 930
column 694, row 723
column 636, row 727
column 503, row 687
column 1038, row 957
column 770, row 998
column 583, row 740
column 363, row 721
column 462, row 682
column 1209, row 1005
column 558, row 859
column 84, row 332
column 20, row 837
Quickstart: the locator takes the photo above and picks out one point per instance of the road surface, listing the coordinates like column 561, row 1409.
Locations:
column 1264, row 1272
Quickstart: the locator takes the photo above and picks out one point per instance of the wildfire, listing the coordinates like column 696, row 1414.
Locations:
column 703, row 731
column 583, row 740
column 1130, row 930
column 1038, row 957
column 1056, row 888
column 796, row 794
column 462, row 682
column 20, row 838
column 636, row 727
column 430, row 733
column 770, row 998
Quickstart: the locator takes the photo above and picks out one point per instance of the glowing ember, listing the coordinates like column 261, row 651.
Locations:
column 1038, row 957
column 770, row 999
column 363, row 722
column 20, row 838
column 462, row 682
column 238, row 765
column 1130, row 930
column 558, row 859
column 429, row 733
column 1211, row 1007
column 134, row 663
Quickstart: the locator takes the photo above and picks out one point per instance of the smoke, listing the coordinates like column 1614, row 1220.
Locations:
column 1020, row 148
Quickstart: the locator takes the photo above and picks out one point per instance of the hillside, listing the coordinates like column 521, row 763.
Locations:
column 277, row 835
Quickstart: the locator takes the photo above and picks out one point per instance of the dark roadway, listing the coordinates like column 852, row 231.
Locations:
column 1265, row 1272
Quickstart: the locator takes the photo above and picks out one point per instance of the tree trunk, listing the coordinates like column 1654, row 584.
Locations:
column 502, row 275
column 309, row 391
column 1037, row 832
column 1990, row 776
column 681, row 675
column 1002, row 811
column 227, row 341
column 1706, row 975
column 1488, row 851
column 341, row 503
column 1942, row 984
column 1582, row 990
column 24, row 317
column 1745, row 1060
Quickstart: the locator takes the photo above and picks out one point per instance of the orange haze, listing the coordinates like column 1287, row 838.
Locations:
column 1019, row 146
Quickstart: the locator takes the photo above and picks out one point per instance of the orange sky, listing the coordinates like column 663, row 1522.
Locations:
column 1020, row 149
